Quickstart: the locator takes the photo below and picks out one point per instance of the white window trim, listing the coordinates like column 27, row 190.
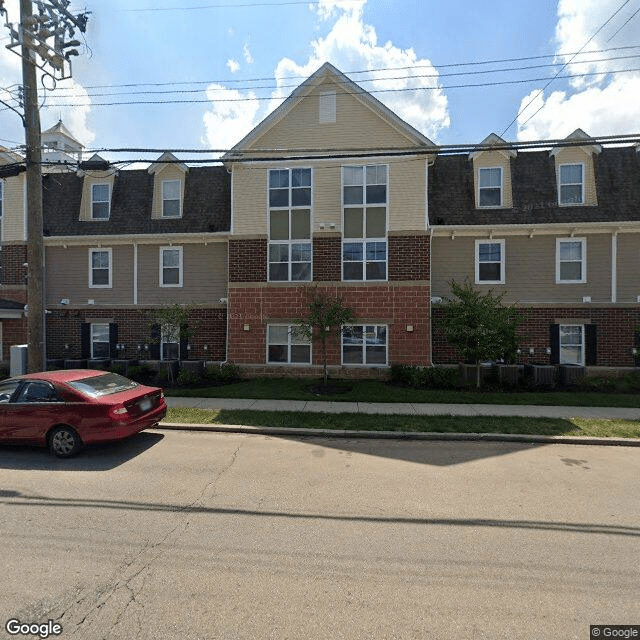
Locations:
column 582, row 192
column 290, row 209
column 100, row 250
column 92, row 341
column 491, row 206
column 582, row 345
column 363, row 206
column 364, row 364
column 583, row 241
column 289, row 345
column 502, row 261
column 162, row 199
column 180, row 268
column 108, row 201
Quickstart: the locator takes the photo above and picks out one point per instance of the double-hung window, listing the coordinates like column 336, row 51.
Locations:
column 489, row 261
column 490, row 187
column 99, row 340
column 571, row 260
column 100, row 201
column 572, row 344
column 289, row 225
column 571, row 184
column 170, row 266
column 171, row 198
column 287, row 344
column 170, row 342
column 99, row 268
column 364, row 344
column 364, row 206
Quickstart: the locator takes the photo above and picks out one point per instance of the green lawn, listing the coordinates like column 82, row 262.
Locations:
column 410, row 423
column 376, row 391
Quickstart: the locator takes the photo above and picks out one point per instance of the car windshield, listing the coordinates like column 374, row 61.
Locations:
column 98, row 386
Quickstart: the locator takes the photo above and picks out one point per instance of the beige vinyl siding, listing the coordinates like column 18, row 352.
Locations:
column 68, row 276
column 13, row 209
column 628, row 267
column 87, row 184
column 406, row 194
column 204, row 275
column 530, row 269
column 577, row 155
column 168, row 172
column 490, row 159
column 353, row 127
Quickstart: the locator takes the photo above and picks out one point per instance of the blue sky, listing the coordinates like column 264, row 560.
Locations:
column 209, row 53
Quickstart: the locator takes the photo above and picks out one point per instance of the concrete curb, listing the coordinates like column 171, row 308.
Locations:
column 400, row 435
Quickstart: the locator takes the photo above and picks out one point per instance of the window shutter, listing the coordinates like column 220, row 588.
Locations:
column 85, row 340
column 591, row 344
column 184, row 341
column 113, row 340
column 154, row 347
column 554, row 343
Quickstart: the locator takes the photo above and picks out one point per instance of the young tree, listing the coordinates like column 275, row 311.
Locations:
column 324, row 320
column 479, row 326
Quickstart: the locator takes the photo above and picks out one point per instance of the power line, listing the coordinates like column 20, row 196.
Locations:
column 372, row 91
column 362, row 80
column 541, row 91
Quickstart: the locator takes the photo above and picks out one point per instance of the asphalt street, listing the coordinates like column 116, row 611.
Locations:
column 203, row 535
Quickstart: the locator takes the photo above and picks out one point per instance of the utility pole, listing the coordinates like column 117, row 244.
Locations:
column 40, row 40
column 37, row 358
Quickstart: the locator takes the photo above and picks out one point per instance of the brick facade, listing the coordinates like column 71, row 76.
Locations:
column 615, row 334
column 134, row 328
column 247, row 260
column 13, row 272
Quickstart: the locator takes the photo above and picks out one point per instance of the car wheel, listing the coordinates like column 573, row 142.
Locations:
column 64, row 442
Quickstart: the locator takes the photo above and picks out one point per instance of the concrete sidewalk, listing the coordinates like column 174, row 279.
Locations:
column 527, row 411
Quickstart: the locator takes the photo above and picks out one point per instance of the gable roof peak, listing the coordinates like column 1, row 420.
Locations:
column 493, row 142
column 165, row 159
column 579, row 135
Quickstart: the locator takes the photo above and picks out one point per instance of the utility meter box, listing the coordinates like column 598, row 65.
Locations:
column 18, row 362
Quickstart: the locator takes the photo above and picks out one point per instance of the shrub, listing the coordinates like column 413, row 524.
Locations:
column 140, row 373
column 407, row 375
column 188, row 378
column 225, row 373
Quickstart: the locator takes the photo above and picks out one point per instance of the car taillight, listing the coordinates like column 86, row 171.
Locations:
column 118, row 410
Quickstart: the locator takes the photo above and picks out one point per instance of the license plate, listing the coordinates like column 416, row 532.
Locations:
column 145, row 404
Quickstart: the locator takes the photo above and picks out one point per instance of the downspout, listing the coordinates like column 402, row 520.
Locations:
column 430, row 163
column 614, row 267
column 135, row 274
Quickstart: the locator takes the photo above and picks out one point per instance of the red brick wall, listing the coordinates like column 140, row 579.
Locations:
column 327, row 259
column 134, row 328
column 388, row 303
column 409, row 258
column 12, row 261
column 247, row 260
column 615, row 334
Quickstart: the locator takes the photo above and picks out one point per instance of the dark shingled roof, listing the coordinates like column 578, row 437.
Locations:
column 206, row 206
column 535, row 199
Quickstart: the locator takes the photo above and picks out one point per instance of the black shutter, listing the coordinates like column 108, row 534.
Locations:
column 113, row 340
column 184, row 341
column 554, row 343
column 154, row 346
column 591, row 344
column 85, row 340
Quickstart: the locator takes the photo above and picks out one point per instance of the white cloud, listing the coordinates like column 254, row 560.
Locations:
column 233, row 65
column 600, row 105
column 351, row 45
column 247, row 54
column 75, row 118
column 231, row 116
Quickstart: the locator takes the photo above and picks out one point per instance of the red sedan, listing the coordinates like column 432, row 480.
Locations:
column 64, row 410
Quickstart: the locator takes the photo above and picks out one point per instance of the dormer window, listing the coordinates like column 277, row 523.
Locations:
column 100, row 201
column 171, row 199
column 571, row 184
column 490, row 187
